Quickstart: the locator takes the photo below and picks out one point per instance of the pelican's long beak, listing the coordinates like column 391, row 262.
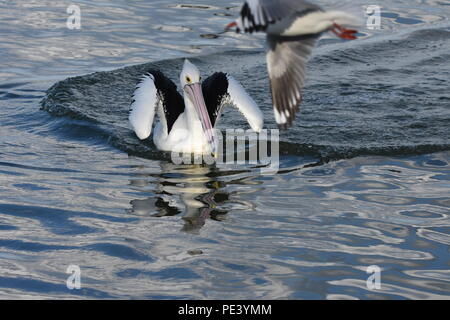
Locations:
column 195, row 94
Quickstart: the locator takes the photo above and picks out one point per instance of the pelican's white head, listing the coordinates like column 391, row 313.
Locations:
column 190, row 74
column 191, row 83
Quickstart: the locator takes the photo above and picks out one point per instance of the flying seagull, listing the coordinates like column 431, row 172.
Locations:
column 186, row 122
column 292, row 28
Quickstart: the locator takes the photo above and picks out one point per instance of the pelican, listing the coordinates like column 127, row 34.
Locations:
column 186, row 123
column 292, row 28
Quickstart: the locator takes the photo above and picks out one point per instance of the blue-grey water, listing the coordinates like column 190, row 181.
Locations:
column 364, row 177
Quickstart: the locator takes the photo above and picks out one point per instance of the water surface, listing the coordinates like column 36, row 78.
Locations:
column 364, row 177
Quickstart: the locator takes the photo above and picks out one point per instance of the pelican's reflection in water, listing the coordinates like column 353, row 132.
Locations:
column 188, row 190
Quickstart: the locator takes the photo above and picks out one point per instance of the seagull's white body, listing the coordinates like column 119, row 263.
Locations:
column 312, row 23
column 186, row 124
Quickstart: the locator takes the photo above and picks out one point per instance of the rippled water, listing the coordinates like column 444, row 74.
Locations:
column 359, row 184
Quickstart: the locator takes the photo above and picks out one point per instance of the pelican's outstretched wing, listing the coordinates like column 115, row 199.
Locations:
column 153, row 91
column 256, row 15
column 221, row 89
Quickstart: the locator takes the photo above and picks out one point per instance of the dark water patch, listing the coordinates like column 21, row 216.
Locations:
column 10, row 95
column 319, row 172
column 392, row 15
column 443, row 177
column 57, row 220
column 19, row 245
column 80, row 130
column 5, row 227
column 165, row 274
column 403, row 20
column 119, row 251
column 21, row 166
column 436, row 163
column 30, row 187
column 12, row 85
column 44, row 287
column 422, row 214
column 12, row 173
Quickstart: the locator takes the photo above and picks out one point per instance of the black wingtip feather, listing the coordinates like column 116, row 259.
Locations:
column 214, row 90
column 173, row 102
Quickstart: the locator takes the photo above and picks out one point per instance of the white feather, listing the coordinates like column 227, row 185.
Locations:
column 245, row 104
column 143, row 108
column 280, row 118
column 319, row 21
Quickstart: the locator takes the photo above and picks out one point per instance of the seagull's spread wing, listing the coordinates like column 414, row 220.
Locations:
column 256, row 15
column 221, row 89
column 153, row 91
column 286, row 61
